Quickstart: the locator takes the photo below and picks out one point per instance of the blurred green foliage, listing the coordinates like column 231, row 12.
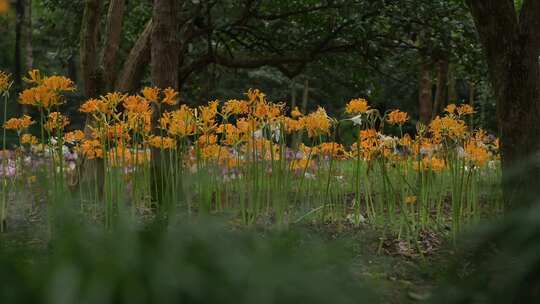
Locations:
column 187, row 263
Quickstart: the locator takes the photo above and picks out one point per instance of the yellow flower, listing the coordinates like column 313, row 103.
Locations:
column 171, row 96
column 232, row 134
column 151, row 94
column 255, row 95
column 476, row 153
column 368, row 133
column 34, row 77
column 465, row 109
column 139, row 113
column 213, row 151
column 293, row 125
column 112, row 100
column 207, row 139
column 179, row 123
column 93, row 106
column 357, row 106
column 118, row 132
column 447, row 126
column 5, row 81
column 398, row 117
column 331, row 149
column 91, row 149
column 369, row 144
column 317, row 123
column 40, row 96
column 451, row 108
column 300, row 164
column 58, row 84
column 434, row 164
column 235, row 107
column 162, row 142
column 136, row 104
column 18, row 124
column 74, row 136
column 208, row 115
column 56, row 122
column 295, row 113
column 410, row 199
column 29, row 139
column 261, row 110
column 405, row 141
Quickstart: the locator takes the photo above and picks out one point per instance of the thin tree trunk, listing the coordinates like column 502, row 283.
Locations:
column 442, row 80
column 305, row 96
column 293, row 93
column 425, row 93
column 29, row 56
column 27, row 38
column 452, row 90
column 113, row 33
column 91, row 77
column 72, row 68
column 18, row 70
column 472, row 93
column 136, row 62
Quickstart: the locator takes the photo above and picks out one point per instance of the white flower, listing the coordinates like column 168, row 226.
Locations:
column 357, row 120
column 258, row 134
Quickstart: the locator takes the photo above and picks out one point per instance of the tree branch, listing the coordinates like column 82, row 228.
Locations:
column 138, row 58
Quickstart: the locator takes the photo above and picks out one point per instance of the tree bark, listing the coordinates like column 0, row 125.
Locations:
column 27, row 42
column 113, row 33
column 293, row 93
column 27, row 31
column 164, row 71
column 442, row 81
column 452, row 90
column 164, row 44
column 91, row 77
column 512, row 48
column 305, row 96
column 425, row 93
column 18, row 69
column 472, row 93
column 136, row 62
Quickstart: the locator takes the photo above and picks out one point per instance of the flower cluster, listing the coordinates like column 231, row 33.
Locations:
column 46, row 91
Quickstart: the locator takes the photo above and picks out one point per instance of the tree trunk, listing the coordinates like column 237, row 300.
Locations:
column 136, row 62
column 18, row 70
column 164, row 44
column 92, row 80
column 72, row 68
column 164, row 70
column 425, row 93
column 472, row 93
column 512, row 48
column 27, row 41
column 452, row 90
column 293, row 93
column 28, row 49
column 442, row 80
column 305, row 96
column 113, row 33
